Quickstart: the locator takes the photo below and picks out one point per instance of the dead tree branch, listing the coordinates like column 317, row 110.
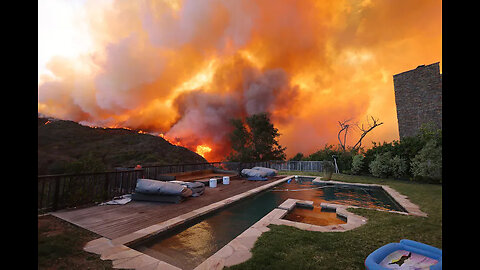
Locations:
column 365, row 131
column 344, row 126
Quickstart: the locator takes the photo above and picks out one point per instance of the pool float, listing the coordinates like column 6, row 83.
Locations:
column 407, row 254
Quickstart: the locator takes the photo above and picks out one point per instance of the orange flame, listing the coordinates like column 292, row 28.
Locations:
column 174, row 141
column 203, row 149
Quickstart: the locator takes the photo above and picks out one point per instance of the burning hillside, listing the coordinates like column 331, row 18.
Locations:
column 185, row 68
column 62, row 143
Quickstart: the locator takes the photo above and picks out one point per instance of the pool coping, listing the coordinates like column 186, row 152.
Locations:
column 237, row 250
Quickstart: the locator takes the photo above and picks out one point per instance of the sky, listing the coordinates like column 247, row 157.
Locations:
column 183, row 69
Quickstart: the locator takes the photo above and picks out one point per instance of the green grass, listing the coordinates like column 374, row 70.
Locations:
column 60, row 246
column 285, row 247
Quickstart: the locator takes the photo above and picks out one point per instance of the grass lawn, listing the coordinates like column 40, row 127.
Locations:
column 60, row 246
column 285, row 247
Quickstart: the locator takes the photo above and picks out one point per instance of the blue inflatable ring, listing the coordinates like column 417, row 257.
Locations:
column 372, row 262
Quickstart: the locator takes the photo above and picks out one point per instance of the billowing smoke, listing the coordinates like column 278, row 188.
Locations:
column 185, row 68
column 205, row 116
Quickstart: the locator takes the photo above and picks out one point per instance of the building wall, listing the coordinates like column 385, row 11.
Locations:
column 418, row 97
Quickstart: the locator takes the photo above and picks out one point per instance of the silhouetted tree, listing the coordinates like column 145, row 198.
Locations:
column 365, row 129
column 256, row 139
column 299, row 156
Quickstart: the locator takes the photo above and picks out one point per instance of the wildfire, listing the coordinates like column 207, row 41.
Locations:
column 203, row 149
column 186, row 69
column 173, row 141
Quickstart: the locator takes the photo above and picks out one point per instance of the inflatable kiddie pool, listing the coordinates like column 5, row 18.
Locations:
column 407, row 254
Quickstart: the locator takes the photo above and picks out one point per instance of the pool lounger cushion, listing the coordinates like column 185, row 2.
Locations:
column 253, row 173
column 157, row 198
column 407, row 254
column 270, row 172
column 197, row 188
column 148, row 186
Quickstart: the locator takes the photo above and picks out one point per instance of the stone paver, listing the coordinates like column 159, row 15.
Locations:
column 134, row 262
column 288, row 204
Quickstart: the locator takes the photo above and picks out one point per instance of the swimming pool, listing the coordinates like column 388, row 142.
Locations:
column 189, row 244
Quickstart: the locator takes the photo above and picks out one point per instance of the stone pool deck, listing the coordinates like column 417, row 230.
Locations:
column 237, row 250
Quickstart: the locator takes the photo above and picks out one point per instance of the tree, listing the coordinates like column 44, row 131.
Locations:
column 299, row 156
column 255, row 140
column 344, row 126
column 366, row 130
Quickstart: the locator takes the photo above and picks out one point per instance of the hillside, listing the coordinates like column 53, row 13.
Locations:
column 62, row 143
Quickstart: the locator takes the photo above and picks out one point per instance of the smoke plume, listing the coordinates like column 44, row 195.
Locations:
column 185, row 68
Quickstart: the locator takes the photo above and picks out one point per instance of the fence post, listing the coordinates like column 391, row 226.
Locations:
column 56, row 194
column 105, row 187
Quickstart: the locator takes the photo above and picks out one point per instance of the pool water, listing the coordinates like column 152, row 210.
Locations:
column 190, row 244
column 315, row 216
column 345, row 194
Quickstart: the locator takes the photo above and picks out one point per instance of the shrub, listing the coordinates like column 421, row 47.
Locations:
column 399, row 167
column 344, row 158
column 385, row 166
column 426, row 166
column 358, row 164
column 381, row 165
column 405, row 149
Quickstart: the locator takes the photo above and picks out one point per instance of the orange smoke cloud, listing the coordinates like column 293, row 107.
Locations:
column 185, row 68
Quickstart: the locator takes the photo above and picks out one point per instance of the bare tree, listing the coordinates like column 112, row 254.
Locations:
column 366, row 130
column 344, row 126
